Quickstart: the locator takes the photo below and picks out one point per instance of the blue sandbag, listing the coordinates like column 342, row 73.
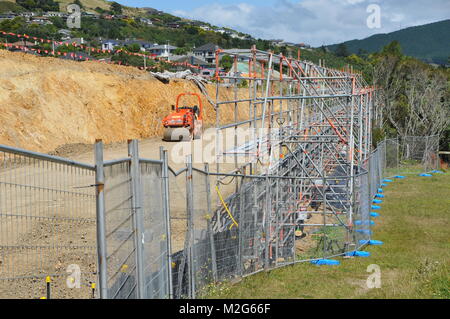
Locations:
column 437, row 172
column 325, row 262
column 380, row 190
column 371, row 242
column 426, row 175
column 373, row 214
column 387, row 181
column 377, row 201
column 358, row 254
column 379, row 196
column 384, row 185
column 375, row 207
column 400, row 177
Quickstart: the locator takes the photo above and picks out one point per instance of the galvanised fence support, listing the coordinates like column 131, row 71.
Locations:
column 101, row 228
column 136, row 189
column 210, row 230
column 166, row 208
column 191, row 226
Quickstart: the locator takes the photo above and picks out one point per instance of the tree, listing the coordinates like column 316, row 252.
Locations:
column 226, row 63
column 116, row 8
column 44, row 5
column 342, row 51
column 134, row 47
column 414, row 97
column 394, row 48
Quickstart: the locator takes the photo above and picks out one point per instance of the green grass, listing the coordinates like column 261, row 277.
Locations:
column 414, row 260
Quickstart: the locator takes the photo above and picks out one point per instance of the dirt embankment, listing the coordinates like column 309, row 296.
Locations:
column 46, row 102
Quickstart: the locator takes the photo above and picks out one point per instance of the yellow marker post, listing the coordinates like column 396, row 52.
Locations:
column 48, row 280
column 93, row 290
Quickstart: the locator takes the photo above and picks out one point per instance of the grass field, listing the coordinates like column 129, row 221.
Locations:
column 414, row 260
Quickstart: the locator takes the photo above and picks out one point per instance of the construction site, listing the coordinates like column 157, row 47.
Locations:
column 106, row 193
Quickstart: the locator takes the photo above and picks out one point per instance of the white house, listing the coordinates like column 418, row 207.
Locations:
column 164, row 50
column 207, row 52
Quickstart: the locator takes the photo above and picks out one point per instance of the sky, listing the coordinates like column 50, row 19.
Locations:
column 314, row 22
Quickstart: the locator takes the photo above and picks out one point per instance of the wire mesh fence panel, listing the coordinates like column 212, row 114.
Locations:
column 431, row 156
column 156, row 266
column 362, row 222
column 392, row 153
column 120, row 232
column 178, row 222
column 251, row 233
column 47, row 226
column 204, row 255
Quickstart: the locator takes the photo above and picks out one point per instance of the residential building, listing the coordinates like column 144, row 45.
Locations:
column 174, row 25
column 163, row 51
column 191, row 59
column 65, row 34
column 55, row 14
column 145, row 46
column 110, row 44
column 146, row 21
column 207, row 52
column 276, row 42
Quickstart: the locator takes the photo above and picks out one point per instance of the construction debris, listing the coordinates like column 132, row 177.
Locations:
column 185, row 75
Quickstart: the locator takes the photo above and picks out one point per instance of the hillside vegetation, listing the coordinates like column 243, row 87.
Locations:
column 429, row 42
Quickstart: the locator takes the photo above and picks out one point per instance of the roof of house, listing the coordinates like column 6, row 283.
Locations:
column 207, row 47
column 111, row 41
column 163, row 46
column 189, row 59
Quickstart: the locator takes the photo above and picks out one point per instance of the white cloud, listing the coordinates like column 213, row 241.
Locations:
column 318, row 22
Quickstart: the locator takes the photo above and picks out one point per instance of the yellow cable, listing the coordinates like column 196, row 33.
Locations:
column 226, row 208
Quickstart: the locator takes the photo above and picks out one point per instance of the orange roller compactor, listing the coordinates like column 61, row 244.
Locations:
column 186, row 122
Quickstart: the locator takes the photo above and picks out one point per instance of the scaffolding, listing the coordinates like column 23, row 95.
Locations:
column 307, row 132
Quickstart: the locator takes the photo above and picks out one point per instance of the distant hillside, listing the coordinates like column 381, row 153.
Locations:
column 429, row 42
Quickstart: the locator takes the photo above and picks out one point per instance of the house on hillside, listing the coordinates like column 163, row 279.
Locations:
column 190, row 59
column 110, row 44
column 276, row 42
column 173, row 25
column 144, row 46
column 65, row 34
column 51, row 14
column 40, row 21
column 146, row 21
column 207, row 52
column 205, row 28
column 28, row 14
column 164, row 50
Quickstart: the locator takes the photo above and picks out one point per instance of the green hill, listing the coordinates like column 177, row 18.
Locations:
column 429, row 42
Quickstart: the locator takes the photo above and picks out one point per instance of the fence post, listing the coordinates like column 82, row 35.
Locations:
column 100, row 212
column 190, row 217
column 267, row 224
column 210, row 231
column 166, row 211
column 135, row 172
